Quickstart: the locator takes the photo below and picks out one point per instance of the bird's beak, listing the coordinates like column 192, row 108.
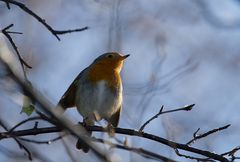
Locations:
column 125, row 56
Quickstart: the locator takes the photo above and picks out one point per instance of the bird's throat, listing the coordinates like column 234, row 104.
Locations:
column 109, row 75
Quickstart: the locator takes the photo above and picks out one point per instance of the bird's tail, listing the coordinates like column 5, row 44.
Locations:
column 81, row 144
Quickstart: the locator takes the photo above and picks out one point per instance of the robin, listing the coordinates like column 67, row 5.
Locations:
column 97, row 92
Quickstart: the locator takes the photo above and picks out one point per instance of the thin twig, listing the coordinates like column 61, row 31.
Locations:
column 18, row 142
column 24, row 148
column 8, row 5
column 25, row 121
column 9, row 153
column 13, row 32
column 6, row 33
column 70, row 30
column 195, row 133
column 196, row 137
column 42, row 21
column 152, row 118
column 192, row 157
column 185, row 108
column 232, row 153
column 140, row 151
column 48, row 142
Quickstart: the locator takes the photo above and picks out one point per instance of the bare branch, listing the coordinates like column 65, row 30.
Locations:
column 140, row 151
column 232, row 153
column 25, row 121
column 41, row 142
column 151, row 119
column 70, row 30
column 6, row 33
column 196, row 137
column 9, row 153
column 125, row 131
column 18, row 142
column 185, row 108
column 8, row 5
column 13, row 32
column 42, row 21
column 192, row 157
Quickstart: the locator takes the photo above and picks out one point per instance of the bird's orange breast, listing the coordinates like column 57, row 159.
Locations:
column 107, row 72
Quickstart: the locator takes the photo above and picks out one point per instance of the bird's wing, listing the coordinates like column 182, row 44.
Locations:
column 68, row 99
column 114, row 119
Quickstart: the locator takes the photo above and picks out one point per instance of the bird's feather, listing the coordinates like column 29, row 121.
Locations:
column 68, row 99
column 114, row 119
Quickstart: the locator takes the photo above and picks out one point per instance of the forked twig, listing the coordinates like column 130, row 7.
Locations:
column 21, row 146
column 42, row 21
column 185, row 108
column 6, row 33
column 196, row 136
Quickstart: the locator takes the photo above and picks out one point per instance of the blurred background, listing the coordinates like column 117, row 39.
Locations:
column 182, row 52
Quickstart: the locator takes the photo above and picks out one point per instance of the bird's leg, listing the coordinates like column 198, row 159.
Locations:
column 96, row 116
column 87, row 122
column 80, row 143
column 110, row 129
column 84, row 124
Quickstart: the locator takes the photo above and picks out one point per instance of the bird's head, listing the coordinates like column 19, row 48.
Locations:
column 111, row 61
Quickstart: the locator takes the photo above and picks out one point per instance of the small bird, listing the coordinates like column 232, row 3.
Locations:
column 97, row 92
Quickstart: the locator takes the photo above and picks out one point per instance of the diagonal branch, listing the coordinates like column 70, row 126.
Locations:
column 6, row 33
column 232, row 153
column 197, row 137
column 151, row 119
column 60, row 121
column 192, row 157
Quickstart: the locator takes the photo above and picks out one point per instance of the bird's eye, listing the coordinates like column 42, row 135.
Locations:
column 110, row 56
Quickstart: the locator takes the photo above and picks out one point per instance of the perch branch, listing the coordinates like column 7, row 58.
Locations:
column 131, row 132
